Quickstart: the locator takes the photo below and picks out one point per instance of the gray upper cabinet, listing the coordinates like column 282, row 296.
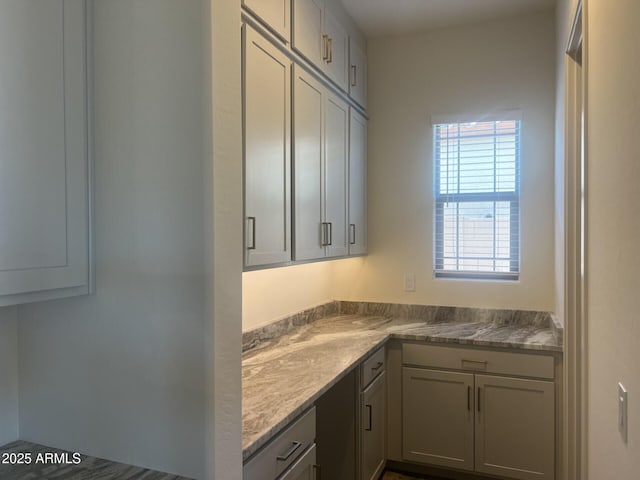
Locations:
column 267, row 127
column 307, row 30
column 357, row 73
column 320, row 179
column 273, row 13
column 44, row 151
column 357, row 184
column 336, row 57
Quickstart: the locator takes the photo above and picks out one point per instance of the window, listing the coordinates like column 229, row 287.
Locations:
column 477, row 199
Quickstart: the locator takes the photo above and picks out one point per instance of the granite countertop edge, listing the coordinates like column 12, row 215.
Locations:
column 378, row 338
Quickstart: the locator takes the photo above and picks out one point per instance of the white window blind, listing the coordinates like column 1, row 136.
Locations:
column 477, row 199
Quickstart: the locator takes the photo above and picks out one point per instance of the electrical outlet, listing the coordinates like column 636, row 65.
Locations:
column 622, row 411
column 409, row 282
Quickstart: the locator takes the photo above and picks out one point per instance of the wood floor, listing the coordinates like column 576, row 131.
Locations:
column 63, row 467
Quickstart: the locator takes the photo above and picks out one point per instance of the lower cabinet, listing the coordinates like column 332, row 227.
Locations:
column 438, row 417
column 291, row 454
column 304, row 468
column 373, row 431
column 514, row 427
column 490, row 424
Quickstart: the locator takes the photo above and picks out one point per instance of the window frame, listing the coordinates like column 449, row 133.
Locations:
column 513, row 197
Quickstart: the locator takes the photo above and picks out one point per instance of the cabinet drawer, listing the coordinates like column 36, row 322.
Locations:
column 506, row 363
column 283, row 450
column 371, row 367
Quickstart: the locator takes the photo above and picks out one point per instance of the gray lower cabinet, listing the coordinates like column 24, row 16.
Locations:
column 291, row 454
column 491, row 424
column 438, row 417
column 304, row 468
column 373, row 431
column 514, row 427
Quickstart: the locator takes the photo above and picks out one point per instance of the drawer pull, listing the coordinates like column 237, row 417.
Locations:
column 285, row 456
column 377, row 367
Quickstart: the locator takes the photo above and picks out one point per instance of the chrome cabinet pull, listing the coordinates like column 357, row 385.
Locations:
column 377, row 367
column 325, row 47
column 330, row 45
column 370, row 408
column 325, row 234
column 352, row 233
column 285, row 456
column 354, row 79
column 253, row 233
column 330, row 233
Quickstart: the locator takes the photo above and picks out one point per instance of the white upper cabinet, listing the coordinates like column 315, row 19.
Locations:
column 357, row 73
column 307, row 30
column 274, row 13
column 357, row 184
column 336, row 57
column 44, row 151
column 267, row 175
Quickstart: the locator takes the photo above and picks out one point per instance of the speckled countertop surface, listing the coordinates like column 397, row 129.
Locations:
column 284, row 376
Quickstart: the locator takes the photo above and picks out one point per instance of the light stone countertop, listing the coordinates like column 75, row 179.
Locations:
column 283, row 377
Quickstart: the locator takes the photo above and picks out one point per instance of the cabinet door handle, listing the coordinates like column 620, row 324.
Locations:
column 354, row 78
column 325, row 47
column 330, row 45
column 370, row 408
column 469, row 397
column 325, row 234
column 478, row 399
column 316, row 470
column 253, row 233
column 377, row 367
column 330, row 228
column 352, row 227
column 285, row 456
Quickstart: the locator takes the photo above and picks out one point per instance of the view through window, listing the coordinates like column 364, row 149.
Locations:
column 477, row 199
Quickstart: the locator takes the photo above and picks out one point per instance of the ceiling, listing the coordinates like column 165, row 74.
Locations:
column 388, row 17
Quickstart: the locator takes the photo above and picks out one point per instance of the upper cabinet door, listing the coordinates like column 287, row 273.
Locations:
column 336, row 175
column 274, row 13
column 336, row 46
column 357, row 73
column 267, row 147
column 357, row 184
column 44, row 159
column 307, row 30
column 308, row 95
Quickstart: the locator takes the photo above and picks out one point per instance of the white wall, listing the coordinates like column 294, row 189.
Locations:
column 268, row 295
column 477, row 68
column 120, row 374
column 613, row 230
column 8, row 375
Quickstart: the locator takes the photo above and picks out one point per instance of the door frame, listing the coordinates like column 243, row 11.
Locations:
column 575, row 397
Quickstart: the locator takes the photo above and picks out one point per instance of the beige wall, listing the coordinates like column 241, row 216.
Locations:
column 271, row 294
column 613, row 233
column 472, row 69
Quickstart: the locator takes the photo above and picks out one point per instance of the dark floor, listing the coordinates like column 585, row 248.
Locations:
column 63, row 467
column 404, row 476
